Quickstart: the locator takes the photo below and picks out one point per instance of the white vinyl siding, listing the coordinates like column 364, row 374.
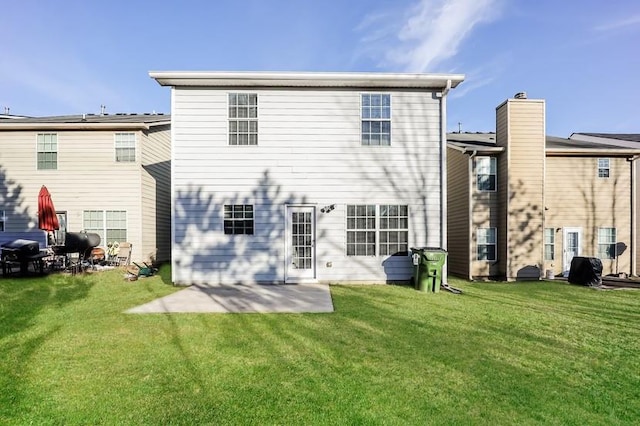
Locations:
column 607, row 243
column 47, row 147
column 309, row 152
column 125, row 146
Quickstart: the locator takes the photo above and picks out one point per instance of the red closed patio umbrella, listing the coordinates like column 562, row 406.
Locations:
column 47, row 218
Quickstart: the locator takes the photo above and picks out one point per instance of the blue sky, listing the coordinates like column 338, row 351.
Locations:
column 583, row 57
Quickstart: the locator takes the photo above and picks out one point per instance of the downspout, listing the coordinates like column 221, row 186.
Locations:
column 634, row 220
column 443, row 174
column 470, row 205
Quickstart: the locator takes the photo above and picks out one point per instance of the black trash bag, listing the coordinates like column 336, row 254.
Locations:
column 586, row 271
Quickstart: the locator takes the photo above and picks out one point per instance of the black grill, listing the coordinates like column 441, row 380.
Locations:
column 22, row 252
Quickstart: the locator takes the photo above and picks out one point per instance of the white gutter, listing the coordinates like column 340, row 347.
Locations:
column 79, row 126
column 306, row 79
column 443, row 174
column 470, row 206
column 592, row 151
column 634, row 215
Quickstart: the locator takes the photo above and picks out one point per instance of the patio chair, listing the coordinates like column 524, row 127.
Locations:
column 123, row 258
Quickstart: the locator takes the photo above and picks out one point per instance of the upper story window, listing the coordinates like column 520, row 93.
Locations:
column 238, row 219
column 486, row 174
column 604, row 167
column 243, row 119
column 486, row 242
column 47, row 147
column 3, row 220
column 376, row 119
column 125, row 144
column 607, row 243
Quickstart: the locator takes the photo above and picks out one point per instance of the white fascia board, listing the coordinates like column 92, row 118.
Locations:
column 78, row 126
column 592, row 152
column 305, row 79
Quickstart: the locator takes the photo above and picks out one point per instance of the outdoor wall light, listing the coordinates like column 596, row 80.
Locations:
column 327, row 209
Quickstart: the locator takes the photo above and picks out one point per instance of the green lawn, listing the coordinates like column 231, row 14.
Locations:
column 533, row 353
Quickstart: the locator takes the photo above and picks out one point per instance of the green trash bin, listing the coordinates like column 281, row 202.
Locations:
column 427, row 268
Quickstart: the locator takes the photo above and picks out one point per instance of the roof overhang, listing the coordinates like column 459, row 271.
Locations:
column 80, row 126
column 477, row 149
column 306, row 79
column 591, row 152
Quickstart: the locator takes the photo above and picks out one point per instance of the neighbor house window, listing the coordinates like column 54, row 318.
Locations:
column 549, row 244
column 486, row 242
column 3, row 220
column 376, row 119
column 238, row 219
column 111, row 225
column 394, row 229
column 604, row 167
column 47, row 151
column 361, row 230
column 486, row 173
column 607, row 243
column 116, row 229
column 125, row 144
column 243, row 119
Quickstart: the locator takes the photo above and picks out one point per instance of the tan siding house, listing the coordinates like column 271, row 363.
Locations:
column 107, row 174
column 554, row 199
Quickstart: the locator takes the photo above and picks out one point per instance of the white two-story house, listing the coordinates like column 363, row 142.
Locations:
column 305, row 177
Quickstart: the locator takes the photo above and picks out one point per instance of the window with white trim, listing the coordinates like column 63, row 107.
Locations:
column 238, row 219
column 111, row 225
column 361, row 230
column 47, row 148
column 125, row 145
column 381, row 230
column 549, row 244
column 486, row 244
column 486, row 174
column 3, row 220
column 394, row 229
column 607, row 243
column 376, row 119
column 604, row 168
column 243, row 119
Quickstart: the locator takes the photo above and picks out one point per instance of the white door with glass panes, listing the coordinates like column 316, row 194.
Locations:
column 300, row 243
column 571, row 245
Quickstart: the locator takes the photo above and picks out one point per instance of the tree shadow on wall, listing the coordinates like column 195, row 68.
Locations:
column 206, row 254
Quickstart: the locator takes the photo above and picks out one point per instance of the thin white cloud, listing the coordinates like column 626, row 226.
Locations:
column 428, row 33
column 619, row 24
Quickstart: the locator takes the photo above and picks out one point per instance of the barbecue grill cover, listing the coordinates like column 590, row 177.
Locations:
column 586, row 271
column 24, row 247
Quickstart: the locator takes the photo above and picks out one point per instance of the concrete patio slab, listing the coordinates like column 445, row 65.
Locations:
column 289, row 298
